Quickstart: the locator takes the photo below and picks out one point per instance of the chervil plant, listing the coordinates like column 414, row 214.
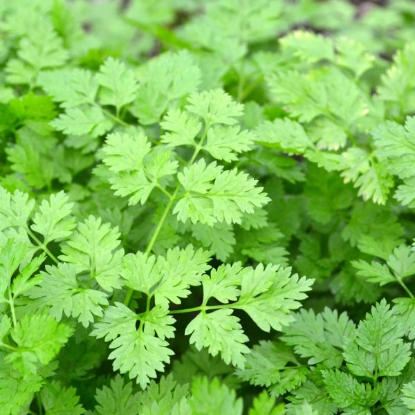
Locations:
column 206, row 207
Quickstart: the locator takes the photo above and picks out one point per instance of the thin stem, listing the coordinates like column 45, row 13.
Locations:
column 172, row 198
column 202, row 308
column 12, row 308
column 404, row 286
column 42, row 245
column 39, row 403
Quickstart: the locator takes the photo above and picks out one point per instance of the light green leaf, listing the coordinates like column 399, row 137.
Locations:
column 269, row 293
column 168, row 277
column 54, row 220
column 210, row 397
column 39, row 339
column 215, row 107
column 60, row 292
column 118, row 84
column 220, row 332
column 83, row 121
column 61, row 400
column 93, row 248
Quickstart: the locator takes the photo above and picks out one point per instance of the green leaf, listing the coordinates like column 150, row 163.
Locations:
column 396, row 147
column 308, row 46
column 40, row 49
column 164, row 397
column 265, row 405
column 141, row 355
column 269, row 293
column 398, row 82
column 53, row 220
column 23, row 282
column 275, row 366
column 220, row 332
column 14, row 209
column 378, row 348
column 83, row 121
column 118, row 84
column 215, row 107
column 408, row 397
column 109, row 398
column 16, row 391
column 224, row 143
column 182, row 126
column 163, row 80
column 209, row 397
column 319, row 337
column 231, row 194
column 348, row 393
column 93, row 248
column 61, row 400
column 283, row 134
column 70, row 87
column 39, row 339
column 167, row 278
column 136, row 169
column 404, row 310
column 60, row 292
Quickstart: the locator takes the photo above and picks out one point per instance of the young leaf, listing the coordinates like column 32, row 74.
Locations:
column 275, row 366
column 61, row 400
column 215, row 107
column 166, row 278
column 93, row 248
column 14, row 209
column 118, row 84
column 231, row 194
column 109, row 398
column 319, row 337
column 378, row 348
column 83, row 121
column 220, row 332
column 213, row 397
column 268, row 294
column 53, row 220
column 141, row 355
column 60, row 292
column 39, row 339
column 70, row 87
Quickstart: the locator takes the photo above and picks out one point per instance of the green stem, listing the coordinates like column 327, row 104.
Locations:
column 39, row 403
column 404, row 286
column 42, row 246
column 172, row 198
column 12, row 308
column 202, row 308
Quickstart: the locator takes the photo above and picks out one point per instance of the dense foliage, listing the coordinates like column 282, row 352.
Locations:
column 207, row 207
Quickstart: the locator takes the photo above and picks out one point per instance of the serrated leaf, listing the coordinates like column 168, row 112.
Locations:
column 166, row 278
column 141, row 355
column 231, row 194
column 378, row 348
column 224, row 143
column 54, row 220
column 214, row 107
column 108, row 398
column 83, row 121
column 220, row 332
column 213, row 397
column 118, row 84
column 319, row 337
column 70, row 87
column 15, row 208
column 61, row 400
column 275, row 366
column 93, row 248
column 39, row 339
column 269, row 293
column 60, row 292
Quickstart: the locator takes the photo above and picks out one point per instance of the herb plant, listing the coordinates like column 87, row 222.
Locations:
column 207, row 207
